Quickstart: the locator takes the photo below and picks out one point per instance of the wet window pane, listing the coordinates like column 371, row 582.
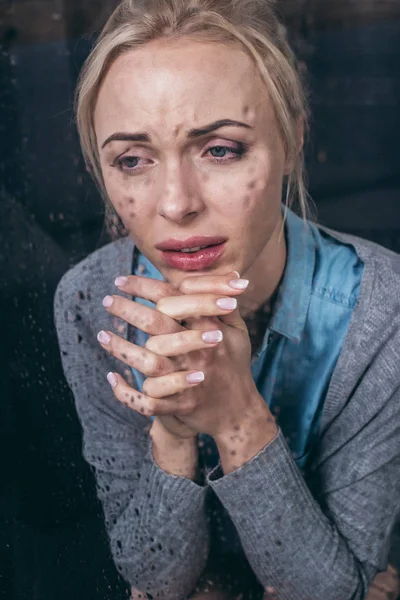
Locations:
column 51, row 217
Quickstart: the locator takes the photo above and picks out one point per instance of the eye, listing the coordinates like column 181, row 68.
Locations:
column 128, row 164
column 227, row 153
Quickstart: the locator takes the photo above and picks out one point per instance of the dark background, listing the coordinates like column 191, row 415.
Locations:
column 52, row 539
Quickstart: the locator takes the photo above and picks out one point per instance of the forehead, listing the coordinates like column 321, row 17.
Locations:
column 179, row 83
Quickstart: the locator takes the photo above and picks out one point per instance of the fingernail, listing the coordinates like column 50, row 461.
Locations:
column 121, row 281
column 212, row 336
column 237, row 273
column 227, row 303
column 103, row 337
column 195, row 377
column 239, row 284
column 112, row 380
column 107, row 301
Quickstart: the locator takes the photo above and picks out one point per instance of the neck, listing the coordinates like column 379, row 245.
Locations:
column 265, row 273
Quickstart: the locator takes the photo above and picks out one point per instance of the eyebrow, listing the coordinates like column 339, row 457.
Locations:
column 193, row 133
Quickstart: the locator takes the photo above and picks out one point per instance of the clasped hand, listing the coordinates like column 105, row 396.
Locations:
column 175, row 349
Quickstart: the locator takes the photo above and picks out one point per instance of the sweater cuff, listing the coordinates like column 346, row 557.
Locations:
column 269, row 465
column 246, row 470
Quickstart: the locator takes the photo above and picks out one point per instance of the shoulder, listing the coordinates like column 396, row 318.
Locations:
column 380, row 289
column 94, row 275
column 367, row 250
column 365, row 385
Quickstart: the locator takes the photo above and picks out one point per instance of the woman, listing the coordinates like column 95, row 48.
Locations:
column 263, row 457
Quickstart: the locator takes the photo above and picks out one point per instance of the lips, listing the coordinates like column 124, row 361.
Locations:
column 173, row 244
column 196, row 261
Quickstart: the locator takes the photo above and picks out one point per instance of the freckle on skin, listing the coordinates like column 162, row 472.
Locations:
column 252, row 184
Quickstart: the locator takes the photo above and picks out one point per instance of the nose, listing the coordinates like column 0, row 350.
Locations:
column 180, row 196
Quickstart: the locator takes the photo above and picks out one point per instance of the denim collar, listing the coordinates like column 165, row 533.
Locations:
column 294, row 294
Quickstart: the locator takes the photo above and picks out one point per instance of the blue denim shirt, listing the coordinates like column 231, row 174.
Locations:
column 304, row 337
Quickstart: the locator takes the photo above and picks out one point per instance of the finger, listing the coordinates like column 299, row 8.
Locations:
column 145, row 287
column 196, row 305
column 234, row 319
column 144, row 404
column 137, row 357
column 214, row 284
column 173, row 383
column 183, row 342
column 143, row 317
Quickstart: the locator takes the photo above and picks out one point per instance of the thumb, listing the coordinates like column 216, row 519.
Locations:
column 234, row 319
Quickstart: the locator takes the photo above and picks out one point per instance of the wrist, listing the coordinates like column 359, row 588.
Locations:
column 174, row 455
column 243, row 440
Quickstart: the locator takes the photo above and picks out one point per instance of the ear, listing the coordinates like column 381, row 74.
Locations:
column 289, row 162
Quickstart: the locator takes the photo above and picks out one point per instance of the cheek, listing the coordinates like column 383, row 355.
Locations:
column 265, row 179
column 261, row 200
column 127, row 198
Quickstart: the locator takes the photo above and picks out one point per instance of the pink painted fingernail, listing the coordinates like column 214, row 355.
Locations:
column 112, row 380
column 108, row 301
column 121, row 281
column 195, row 377
column 227, row 303
column 239, row 284
column 103, row 337
column 211, row 337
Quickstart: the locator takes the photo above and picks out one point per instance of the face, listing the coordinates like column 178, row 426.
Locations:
column 189, row 146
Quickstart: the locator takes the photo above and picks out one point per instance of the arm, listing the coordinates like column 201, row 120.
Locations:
column 329, row 544
column 176, row 456
column 155, row 521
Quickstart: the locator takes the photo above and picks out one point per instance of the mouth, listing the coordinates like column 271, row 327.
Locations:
column 192, row 244
column 194, row 250
column 194, row 258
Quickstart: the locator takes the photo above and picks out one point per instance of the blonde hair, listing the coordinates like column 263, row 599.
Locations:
column 251, row 23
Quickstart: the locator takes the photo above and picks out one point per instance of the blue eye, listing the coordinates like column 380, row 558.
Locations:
column 219, row 151
column 129, row 162
column 222, row 152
